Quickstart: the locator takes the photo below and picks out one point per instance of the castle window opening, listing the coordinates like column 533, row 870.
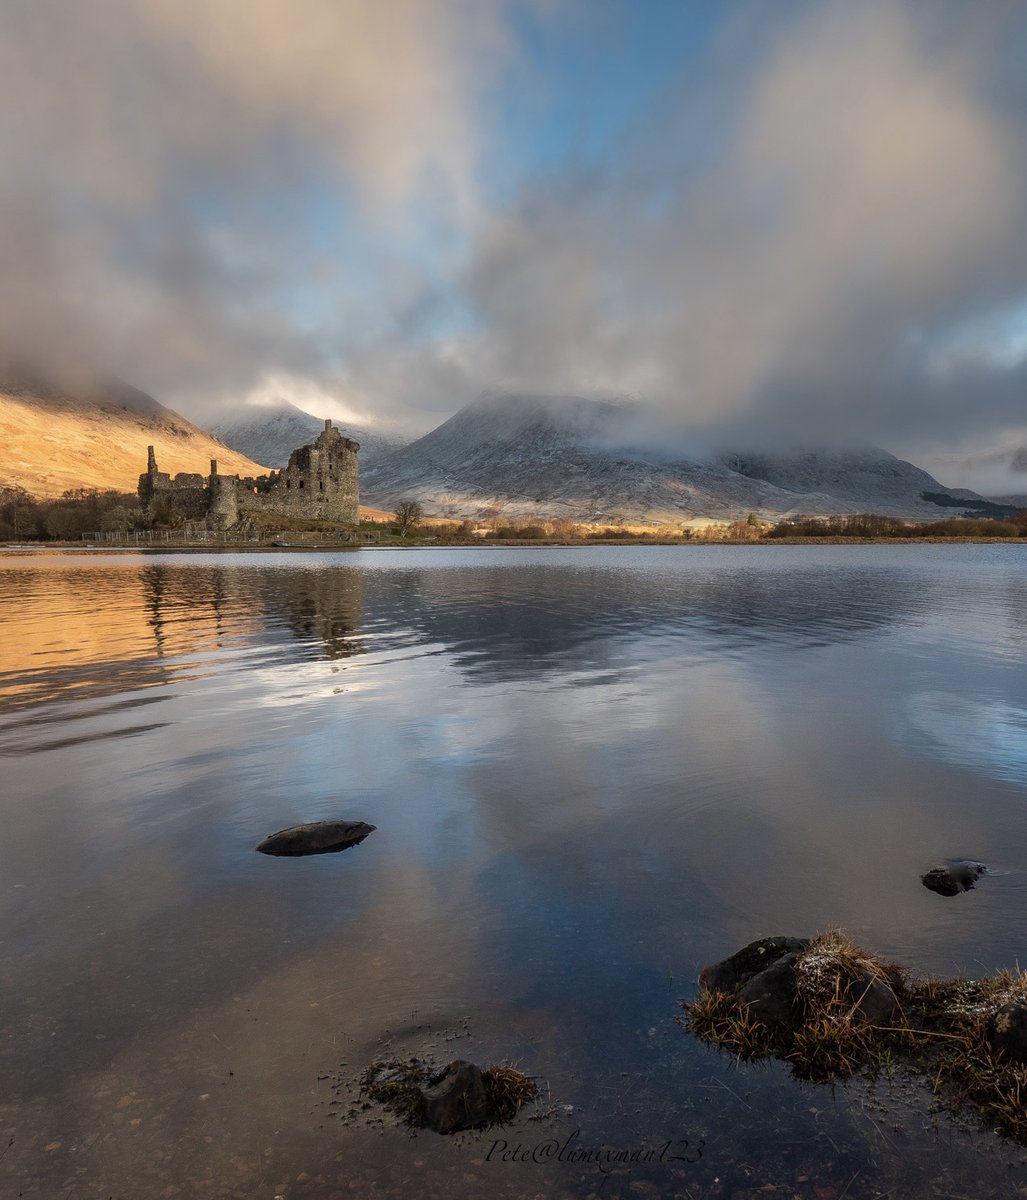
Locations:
column 301, row 483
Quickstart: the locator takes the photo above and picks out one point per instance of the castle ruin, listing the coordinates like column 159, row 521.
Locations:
column 321, row 483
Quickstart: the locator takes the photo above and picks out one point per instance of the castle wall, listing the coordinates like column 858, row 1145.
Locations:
column 321, row 482
column 189, row 502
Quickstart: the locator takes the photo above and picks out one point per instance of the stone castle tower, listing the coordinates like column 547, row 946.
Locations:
column 320, row 483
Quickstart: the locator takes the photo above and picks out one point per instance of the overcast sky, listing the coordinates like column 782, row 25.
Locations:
column 765, row 220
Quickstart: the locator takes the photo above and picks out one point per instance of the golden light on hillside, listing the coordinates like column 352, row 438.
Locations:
column 53, row 443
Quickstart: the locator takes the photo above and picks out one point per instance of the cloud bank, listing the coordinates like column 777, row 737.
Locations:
column 797, row 238
column 174, row 168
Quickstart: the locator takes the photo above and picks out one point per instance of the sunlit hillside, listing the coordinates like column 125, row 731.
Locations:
column 51, row 441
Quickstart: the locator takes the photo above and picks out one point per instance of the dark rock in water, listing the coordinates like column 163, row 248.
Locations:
column 458, row 1099
column 459, row 1096
column 957, row 875
column 771, row 996
column 732, row 973
column 319, row 837
column 1007, row 1031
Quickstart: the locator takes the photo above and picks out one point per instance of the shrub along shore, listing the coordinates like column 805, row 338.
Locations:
column 115, row 517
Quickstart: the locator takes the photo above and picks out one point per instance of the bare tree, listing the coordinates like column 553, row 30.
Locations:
column 408, row 516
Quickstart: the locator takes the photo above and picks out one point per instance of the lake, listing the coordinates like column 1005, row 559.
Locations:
column 592, row 770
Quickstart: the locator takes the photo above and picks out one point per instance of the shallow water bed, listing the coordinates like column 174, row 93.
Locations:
column 591, row 771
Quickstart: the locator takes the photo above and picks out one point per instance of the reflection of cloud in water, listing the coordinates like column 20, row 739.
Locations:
column 985, row 735
column 663, row 755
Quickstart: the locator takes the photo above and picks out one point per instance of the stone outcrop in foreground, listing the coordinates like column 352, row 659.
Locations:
column 830, row 1008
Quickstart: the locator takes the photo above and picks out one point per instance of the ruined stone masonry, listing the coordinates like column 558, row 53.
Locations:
column 321, row 483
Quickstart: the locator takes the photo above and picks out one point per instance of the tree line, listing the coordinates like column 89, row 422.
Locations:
column 82, row 511
column 77, row 511
column 875, row 525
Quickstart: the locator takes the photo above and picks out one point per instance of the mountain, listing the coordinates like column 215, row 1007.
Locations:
column 532, row 457
column 858, row 476
column 269, row 433
column 55, row 438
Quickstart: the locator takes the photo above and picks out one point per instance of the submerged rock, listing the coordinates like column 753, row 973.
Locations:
column 957, row 875
column 319, row 837
column 458, row 1100
column 732, row 973
column 459, row 1096
column 1007, row 1031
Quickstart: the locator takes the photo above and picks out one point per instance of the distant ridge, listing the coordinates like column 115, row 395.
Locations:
column 269, row 433
column 534, row 457
column 57, row 438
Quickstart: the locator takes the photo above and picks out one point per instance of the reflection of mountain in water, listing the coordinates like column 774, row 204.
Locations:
column 162, row 621
column 501, row 623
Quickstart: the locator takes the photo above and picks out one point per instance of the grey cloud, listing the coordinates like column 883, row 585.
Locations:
column 160, row 155
column 776, row 251
column 868, row 193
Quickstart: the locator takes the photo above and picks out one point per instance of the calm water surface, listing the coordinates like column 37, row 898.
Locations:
column 592, row 771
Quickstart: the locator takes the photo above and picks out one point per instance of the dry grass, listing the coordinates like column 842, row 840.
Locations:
column 508, row 1090
column 833, row 958
column 953, row 1016
column 939, row 1029
column 716, row 1018
column 833, row 978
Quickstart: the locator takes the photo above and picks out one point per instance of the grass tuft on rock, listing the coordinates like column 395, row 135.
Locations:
column 938, row 1030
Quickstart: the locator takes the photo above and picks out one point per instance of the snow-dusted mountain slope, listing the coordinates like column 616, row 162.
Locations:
column 563, row 456
column 863, row 476
column 269, row 433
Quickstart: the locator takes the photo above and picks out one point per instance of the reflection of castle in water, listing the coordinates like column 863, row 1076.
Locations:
column 321, row 483
column 191, row 608
column 495, row 623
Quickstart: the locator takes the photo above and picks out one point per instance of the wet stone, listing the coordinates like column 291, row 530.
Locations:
column 733, row 973
column 318, row 837
column 458, row 1100
column 1007, row 1031
column 873, row 1001
column 955, row 876
column 771, row 996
